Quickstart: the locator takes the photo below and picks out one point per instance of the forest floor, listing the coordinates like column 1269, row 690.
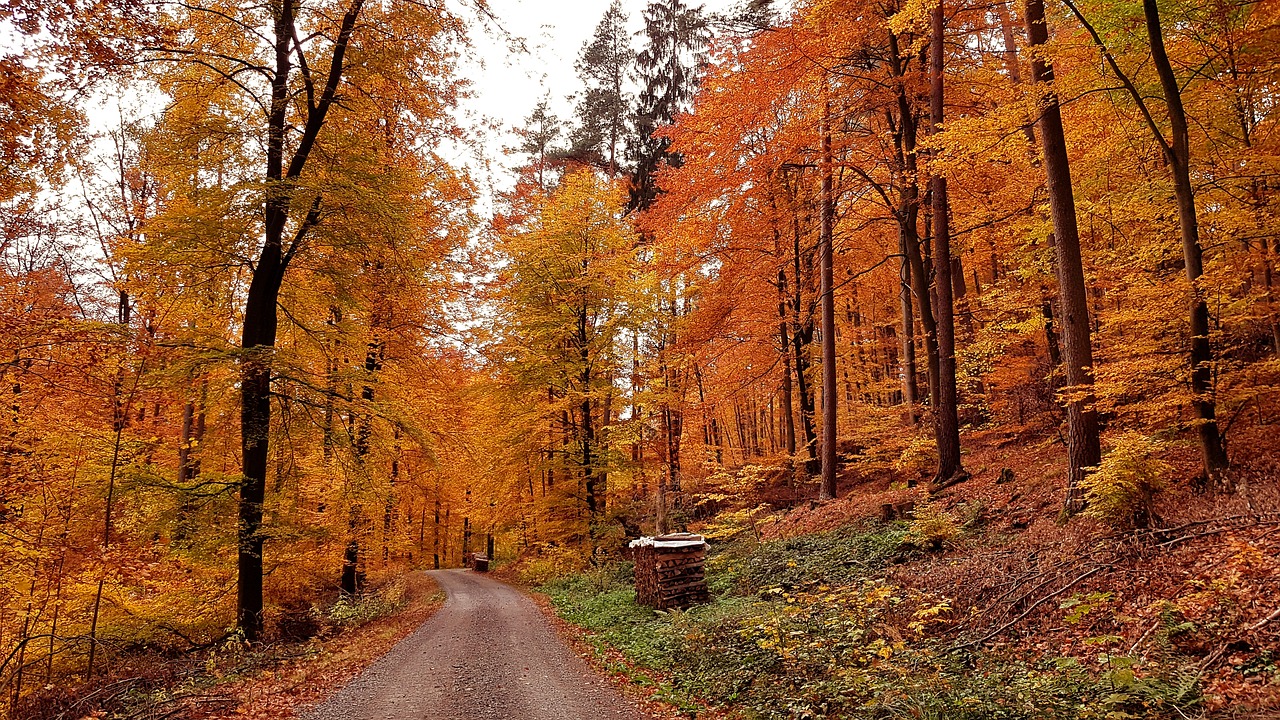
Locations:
column 489, row 654
column 981, row 601
column 279, row 684
column 230, row 680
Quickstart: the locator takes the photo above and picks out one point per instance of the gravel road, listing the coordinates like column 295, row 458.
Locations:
column 488, row 654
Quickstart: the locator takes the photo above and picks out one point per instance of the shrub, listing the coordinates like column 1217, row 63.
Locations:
column 832, row 557
column 1122, row 489
column 918, row 459
column 385, row 600
column 933, row 527
column 548, row 562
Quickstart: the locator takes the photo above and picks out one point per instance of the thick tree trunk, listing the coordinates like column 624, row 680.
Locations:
column 260, row 321
column 827, row 487
column 349, row 582
column 255, row 426
column 947, row 428
column 1213, row 451
column 1077, row 348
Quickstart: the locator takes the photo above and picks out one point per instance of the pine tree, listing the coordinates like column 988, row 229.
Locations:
column 539, row 135
column 675, row 50
column 604, row 105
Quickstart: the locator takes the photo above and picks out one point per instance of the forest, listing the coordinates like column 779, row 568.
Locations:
column 952, row 326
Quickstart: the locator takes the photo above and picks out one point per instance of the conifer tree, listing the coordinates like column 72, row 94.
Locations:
column 603, row 107
column 539, row 135
column 668, row 67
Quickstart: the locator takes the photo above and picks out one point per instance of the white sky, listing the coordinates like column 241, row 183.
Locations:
column 508, row 84
column 528, row 54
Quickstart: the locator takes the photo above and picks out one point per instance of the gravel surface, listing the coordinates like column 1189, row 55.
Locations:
column 488, row 654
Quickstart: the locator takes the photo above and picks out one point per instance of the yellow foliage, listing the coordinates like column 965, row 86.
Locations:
column 1121, row 490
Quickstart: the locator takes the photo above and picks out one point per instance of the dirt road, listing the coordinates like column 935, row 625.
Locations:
column 488, row 654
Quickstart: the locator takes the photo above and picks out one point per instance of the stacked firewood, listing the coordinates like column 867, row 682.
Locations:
column 669, row 570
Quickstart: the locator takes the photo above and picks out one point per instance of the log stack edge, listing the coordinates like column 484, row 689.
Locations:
column 669, row 570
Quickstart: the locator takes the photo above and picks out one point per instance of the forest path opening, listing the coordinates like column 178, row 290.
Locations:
column 489, row 653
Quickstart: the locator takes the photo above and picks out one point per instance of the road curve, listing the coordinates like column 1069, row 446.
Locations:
column 488, row 654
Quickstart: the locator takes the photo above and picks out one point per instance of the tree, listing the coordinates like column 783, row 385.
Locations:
column 260, row 318
column 668, row 67
column 1176, row 151
column 539, row 135
column 830, row 415
column 297, row 105
column 946, row 419
column 1083, row 450
column 564, row 297
column 603, row 66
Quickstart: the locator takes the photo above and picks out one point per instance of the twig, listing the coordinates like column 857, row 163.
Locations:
column 1258, row 625
column 1216, row 531
column 1150, row 630
column 1032, row 609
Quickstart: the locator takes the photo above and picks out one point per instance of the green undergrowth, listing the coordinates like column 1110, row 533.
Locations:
column 810, row 628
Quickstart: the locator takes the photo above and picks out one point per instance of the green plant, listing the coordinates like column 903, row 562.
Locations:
column 833, row 557
column 933, row 527
column 1121, row 490
column 1079, row 606
column 808, row 627
column 363, row 608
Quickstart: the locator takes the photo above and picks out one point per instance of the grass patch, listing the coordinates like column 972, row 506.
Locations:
column 809, row 628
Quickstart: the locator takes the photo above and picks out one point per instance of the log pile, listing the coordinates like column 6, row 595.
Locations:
column 669, row 570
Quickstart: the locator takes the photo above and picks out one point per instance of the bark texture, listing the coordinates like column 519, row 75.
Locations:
column 1077, row 349
column 946, row 417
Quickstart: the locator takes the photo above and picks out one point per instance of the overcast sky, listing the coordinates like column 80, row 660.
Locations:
column 527, row 54
column 509, row 81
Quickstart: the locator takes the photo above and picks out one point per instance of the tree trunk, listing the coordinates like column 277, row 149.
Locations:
column 908, row 218
column 910, row 384
column 595, row 504
column 1077, row 348
column 255, row 425
column 947, row 429
column 435, row 539
column 1051, row 339
column 827, row 487
column 1272, row 301
column 185, row 473
column 801, row 337
column 1011, row 61
column 1213, row 452
column 260, row 321
column 788, row 409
